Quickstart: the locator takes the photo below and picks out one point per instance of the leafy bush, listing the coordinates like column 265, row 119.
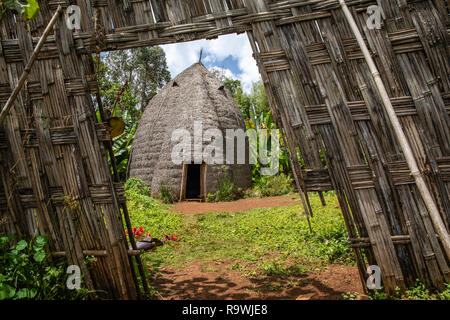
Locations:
column 165, row 193
column 137, row 185
column 445, row 295
column 271, row 186
column 26, row 272
column 138, row 195
column 211, row 197
column 225, row 188
column 418, row 292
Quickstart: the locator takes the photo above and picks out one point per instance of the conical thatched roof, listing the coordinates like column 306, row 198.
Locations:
column 194, row 95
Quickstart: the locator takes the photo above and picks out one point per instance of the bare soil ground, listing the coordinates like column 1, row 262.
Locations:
column 216, row 281
column 194, row 207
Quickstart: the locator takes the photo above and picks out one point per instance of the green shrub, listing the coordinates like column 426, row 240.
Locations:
column 136, row 185
column 418, row 292
column 211, row 197
column 26, row 272
column 271, row 186
column 165, row 193
column 445, row 295
column 225, row 188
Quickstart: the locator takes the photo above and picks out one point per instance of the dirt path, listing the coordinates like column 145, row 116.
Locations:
column 236, row 206
column 215, row 281
column 219, row 281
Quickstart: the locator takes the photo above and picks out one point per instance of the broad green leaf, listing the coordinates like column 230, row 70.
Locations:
column 22, row 294
column 26, row 293
column 22, row 244
column 31, row 9
column 4, row 241
column 39, row 256
column 32, row 293
column 41, row 240
column 7, row 292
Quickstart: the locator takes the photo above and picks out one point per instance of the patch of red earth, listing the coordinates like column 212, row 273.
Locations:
column 215, row 281
column 193, row 207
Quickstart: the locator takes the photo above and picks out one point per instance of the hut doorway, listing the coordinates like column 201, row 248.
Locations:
column 194, row 182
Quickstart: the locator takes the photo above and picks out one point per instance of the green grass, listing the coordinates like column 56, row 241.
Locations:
column 152, row 215
column 275, row 240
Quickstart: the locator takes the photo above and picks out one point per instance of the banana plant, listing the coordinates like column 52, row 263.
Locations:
column 122, row 145
column 264, row 120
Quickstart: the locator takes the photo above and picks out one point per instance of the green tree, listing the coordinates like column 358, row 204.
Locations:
column 255, row 102
column 109, row 92
column 127, row 81
column 143, row 69
column 258, row 98
column 242, row 99
column 256, row 111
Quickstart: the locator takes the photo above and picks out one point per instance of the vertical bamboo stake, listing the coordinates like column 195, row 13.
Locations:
column 122, row 205
column 9, row 104
column 395, row 122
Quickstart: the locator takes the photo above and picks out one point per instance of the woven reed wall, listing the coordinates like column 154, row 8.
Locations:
column 321, row 93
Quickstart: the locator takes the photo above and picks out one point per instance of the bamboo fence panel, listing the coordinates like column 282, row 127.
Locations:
column 54, row 174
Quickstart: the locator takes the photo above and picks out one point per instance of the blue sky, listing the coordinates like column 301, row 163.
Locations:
column 231, row 54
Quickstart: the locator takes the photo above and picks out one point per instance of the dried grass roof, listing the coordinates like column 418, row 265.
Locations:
column 194, row 95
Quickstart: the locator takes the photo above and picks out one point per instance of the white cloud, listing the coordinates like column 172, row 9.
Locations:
column 224, row 72
column 182, row 55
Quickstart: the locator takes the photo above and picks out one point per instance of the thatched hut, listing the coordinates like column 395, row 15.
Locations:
column 194, row 96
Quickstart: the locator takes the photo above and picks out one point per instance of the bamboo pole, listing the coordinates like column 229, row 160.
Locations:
column 9, row 104
column 122, row 205
column 395, row 122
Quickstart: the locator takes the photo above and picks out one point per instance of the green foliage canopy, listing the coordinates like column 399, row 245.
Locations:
column 144, row 69
column 127, row 80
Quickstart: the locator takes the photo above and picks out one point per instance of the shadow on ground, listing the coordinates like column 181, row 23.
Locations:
column 216, row 281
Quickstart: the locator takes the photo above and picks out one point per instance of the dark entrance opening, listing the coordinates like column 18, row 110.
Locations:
column 193, row 181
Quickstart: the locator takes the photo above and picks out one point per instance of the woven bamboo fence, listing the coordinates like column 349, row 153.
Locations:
column 54, row 170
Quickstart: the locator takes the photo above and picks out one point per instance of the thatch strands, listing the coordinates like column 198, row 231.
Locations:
column 54, row 174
